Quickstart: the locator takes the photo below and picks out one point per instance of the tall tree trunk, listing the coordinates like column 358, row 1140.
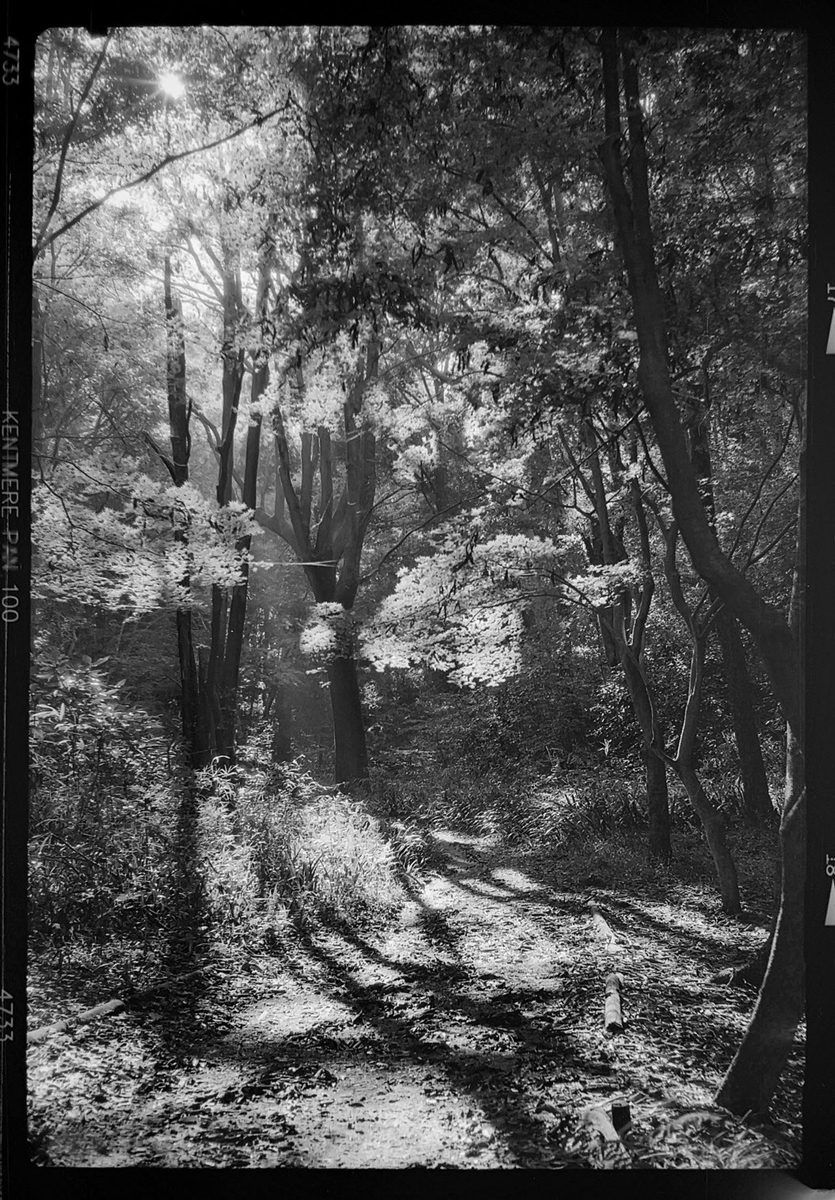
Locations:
column 765, row 1046
column 713, row 822
column 38, row 323
column 218, row 713
column 753, row 1075
column 755, row 794
column 188, row 682
column 766, row 623
column 179, row 413
column 206, row 739
column 231, row 660
column 658, row 806
column 350, row 753
column 623, row 637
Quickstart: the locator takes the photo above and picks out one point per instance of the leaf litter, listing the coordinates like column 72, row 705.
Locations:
column 467, row 1033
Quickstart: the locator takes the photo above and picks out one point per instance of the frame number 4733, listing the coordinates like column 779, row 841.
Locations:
column 11, row 62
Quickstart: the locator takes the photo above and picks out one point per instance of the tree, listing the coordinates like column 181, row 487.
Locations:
column 753, row 1074
column 331, row 555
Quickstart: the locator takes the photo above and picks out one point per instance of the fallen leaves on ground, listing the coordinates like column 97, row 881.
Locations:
column 467, row 1034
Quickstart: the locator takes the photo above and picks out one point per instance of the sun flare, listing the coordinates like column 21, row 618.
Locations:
column 172, row 84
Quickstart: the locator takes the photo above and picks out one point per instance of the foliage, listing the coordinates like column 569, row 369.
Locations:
column 103, row 790
column 127, row 552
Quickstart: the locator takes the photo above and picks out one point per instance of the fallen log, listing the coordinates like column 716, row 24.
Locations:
column 597, row 1118
column 614, row 1150
column 101, row 1010
column 604, row 928
column 107, row 1009
column 612, row 1012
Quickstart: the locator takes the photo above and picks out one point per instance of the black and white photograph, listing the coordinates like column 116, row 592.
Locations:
column 416, row 688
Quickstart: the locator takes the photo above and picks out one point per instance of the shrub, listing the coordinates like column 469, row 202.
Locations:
column 104, row 791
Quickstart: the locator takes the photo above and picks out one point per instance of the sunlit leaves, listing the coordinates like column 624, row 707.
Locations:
column 128, row 542
column 461, row 611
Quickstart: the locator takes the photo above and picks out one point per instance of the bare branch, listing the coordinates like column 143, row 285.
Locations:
column 172, row 470
column 62, row 160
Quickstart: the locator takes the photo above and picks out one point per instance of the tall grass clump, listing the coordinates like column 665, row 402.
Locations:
column 284, row 846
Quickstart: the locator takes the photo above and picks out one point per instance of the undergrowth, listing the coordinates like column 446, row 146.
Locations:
column 277, row 845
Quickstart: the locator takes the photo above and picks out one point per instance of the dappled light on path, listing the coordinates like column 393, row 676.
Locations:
column 466, row 1033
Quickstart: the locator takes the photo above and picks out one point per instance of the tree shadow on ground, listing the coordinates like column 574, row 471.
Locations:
column 185, row 919
column 695, row 942
column 492, row 1077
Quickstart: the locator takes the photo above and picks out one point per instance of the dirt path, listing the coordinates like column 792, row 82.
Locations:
column 467, row 1035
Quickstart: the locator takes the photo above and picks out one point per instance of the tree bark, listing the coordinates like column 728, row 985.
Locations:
column 755, row 794
column 753, row 1075
column 658, row 807
column 714, row 827
column 756, row 799
column 350, row 754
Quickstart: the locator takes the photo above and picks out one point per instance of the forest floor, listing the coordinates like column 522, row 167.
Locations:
column 466, row 1034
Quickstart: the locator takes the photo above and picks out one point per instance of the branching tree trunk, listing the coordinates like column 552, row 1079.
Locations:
column 622, row 628
column 327, row 539
column 762, row 1054
column 209, row 675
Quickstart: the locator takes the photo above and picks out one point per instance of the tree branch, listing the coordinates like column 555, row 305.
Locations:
column 62, row 159
column 149, row 174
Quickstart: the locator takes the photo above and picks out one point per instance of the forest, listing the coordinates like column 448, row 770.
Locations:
column 416, row 772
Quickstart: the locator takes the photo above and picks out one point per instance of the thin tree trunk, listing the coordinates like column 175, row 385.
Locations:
column 605, row 546
column 755, row 795
column 177, row 465
column 38, row 322
column 281, row 748
column 206, row 740
column 632, row 219
column 332, row 557
column 658, row 807
column 231, row 662
column 713, row 823
column 658, row 803
column 714, row 827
